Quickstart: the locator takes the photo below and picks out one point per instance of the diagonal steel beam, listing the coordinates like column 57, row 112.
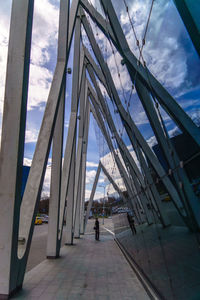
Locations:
column 132, row 197
column 127, row 157
column 190, row 201
column 128, row 122
column 78, row 172
column 12, row 141
column 189, row 12
column 92, row 194
column 84, row 158
column 53, row 242
column 113, row 183
column 68, row 172
column 36, row 175
column 166, row 100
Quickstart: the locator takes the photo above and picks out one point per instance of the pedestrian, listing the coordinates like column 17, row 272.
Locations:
column 131, row 223
column 96, row 228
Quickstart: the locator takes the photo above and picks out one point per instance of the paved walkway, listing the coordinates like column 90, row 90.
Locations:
column 88, row 270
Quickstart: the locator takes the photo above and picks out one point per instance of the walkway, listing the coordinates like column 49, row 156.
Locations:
column 88, row 270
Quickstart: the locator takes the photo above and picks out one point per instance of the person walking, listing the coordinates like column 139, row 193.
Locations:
column 96, row 228
column 131, row 223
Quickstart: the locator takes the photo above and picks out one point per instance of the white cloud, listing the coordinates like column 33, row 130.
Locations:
column 90, row 175
column 31, row 136
column 98, row 195
column 66, row 124
column 4, row 32
column 162, row 51
column 91, row 164
column 27, row 162
column 152, row 141
column 45, row 28
column 140, row 118
column 40, row 78
column 47, row 178
column 119, row 73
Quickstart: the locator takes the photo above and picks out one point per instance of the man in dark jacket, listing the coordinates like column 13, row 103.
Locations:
column 96, row 227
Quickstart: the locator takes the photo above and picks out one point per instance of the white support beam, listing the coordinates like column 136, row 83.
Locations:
column 68, row 172
column 78, row 173
column 70, row 198
column 121, row 168
column 37, row 171
column 130, row 126
column 127, row 158
column 53, row 242
column 12, row 142
column 113, row 183
column 84, row 158
column 92, row 194
column 113, row 31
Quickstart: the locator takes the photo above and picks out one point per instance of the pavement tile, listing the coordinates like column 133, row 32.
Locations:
column 47, row 296
column 37, row 291
column 88, row 271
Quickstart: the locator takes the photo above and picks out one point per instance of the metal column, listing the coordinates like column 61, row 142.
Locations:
column 12, row 143
column 92, row 193
column 53, row 242
column 78, row 175
column 68, row 173
column 189, row 11
column 84, row 157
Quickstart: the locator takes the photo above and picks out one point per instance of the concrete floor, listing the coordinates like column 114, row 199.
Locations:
column 38, row 246
column 88, row 270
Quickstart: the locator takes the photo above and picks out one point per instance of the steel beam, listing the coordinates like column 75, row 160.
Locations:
column 123, row 172
column 67, row 183
column 84, row 158
column 130, row 201
column 123, row 149
column 113, row 183
column 12, row 143
column 130, row 126
column 92, row 194
column 53, row 242
column 165, row 99
column 126, row 156
column 37, row 171
column 78, row 173
column 70, row 197
column 189, row 199
column 119, row 141
column 189, row 11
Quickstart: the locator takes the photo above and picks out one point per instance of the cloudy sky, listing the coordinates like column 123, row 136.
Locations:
column 168, row 52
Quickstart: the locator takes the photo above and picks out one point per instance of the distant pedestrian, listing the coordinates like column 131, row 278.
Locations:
column 131, row 223
column 96, row 228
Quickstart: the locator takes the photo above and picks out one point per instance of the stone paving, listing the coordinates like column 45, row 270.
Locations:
column 87, row 270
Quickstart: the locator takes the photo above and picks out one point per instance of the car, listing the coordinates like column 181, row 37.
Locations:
column 45, row 218
column 38, row 221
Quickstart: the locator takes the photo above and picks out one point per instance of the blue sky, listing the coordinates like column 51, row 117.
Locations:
column 168, row 52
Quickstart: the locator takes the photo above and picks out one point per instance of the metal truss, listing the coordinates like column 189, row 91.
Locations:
column 68, row 177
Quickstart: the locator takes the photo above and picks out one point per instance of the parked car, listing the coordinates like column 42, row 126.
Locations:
column 38, row 221
column 45, row 218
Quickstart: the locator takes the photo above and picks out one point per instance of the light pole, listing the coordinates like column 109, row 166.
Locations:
column 103, row 186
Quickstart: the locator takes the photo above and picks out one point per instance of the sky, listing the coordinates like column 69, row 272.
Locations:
column 168, row 52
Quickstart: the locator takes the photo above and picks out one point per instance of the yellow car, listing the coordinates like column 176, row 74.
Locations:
column 38, row 221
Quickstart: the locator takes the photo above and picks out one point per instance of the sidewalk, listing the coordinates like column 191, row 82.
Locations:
column 87, row 270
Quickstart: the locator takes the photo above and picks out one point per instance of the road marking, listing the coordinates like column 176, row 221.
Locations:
column 93, row 232
column 109, row 230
